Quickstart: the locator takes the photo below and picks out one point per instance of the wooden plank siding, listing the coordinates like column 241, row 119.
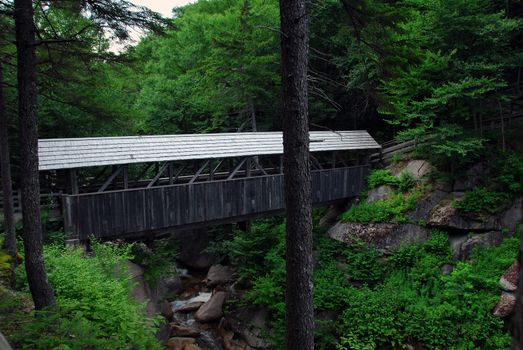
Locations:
column 127, row 212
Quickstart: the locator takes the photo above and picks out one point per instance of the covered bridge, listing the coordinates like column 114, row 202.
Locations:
column 142, row 185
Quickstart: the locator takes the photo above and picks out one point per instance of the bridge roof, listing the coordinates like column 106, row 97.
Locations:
column 99, row 151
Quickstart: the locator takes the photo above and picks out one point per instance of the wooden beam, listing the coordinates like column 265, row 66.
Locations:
column 125, row 169
column 110, row 179
column 248, row 167
column 170, row 171
column 158, row 175
column 178, row 173
column 316, row 162
column 147, row 167
column 99, row 175
column 73, row 181
column 198, row 173
column 214, row 170
column 238, row 167
column 257, row 165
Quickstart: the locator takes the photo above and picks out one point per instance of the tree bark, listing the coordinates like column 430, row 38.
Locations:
column 517, row 318
column 41, row 290
column 7, row 187
column 299, row 316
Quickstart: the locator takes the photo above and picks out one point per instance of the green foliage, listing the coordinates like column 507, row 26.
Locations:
column 481, row 200
column 459, row 51
column 451, row 146
column 405, row 182
column 158, row 261
column 94, row 307
column 416, row 302
column 380, row 177
column 383, row 177
column 385, row 210
column 365, row 213
column 248, row 250
column 5, row 262
column 510, row 178
column 213, row 71
column 364, row 263
column 385, row 303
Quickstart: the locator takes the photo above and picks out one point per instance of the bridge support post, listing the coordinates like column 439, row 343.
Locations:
column 125, row 169
column 73, row 181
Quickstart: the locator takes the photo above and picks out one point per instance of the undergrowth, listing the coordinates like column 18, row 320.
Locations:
column 378, row 302
column 500, row 187
column 94, row 310
column 385, row 210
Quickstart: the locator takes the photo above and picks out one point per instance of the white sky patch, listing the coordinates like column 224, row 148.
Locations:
column 162, row 6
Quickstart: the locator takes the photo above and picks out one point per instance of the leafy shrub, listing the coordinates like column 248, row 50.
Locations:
column 381, row 177
column 365, row 213
column 482, row 200
column 390, row 209
column 510, row 176
column 158, row 261
column 5, row 262
column 405, row 182
column 364, row 263
column 94, row 307
column 416, row 302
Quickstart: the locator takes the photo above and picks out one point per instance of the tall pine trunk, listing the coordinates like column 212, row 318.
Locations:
column 7, row 187
column 299, row 317
column 30, row 184
column 517, row 317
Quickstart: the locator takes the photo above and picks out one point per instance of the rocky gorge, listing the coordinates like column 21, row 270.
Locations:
column 202, row 303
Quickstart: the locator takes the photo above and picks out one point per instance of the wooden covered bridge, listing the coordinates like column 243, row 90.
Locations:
column 141, row 185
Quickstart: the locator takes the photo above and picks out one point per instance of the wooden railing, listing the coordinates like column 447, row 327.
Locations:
column 123, row 213
column 47, row 199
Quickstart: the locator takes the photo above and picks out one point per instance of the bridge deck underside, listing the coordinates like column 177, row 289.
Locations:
column 130, row 212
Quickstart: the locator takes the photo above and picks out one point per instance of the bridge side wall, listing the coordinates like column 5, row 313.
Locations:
column 117, row 213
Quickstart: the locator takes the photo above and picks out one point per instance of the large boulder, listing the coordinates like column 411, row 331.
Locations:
column 445, row 216
column 180, row 343
column 509, row 280
column 212, row 309
column 473, row 177
column 219, row 274
column 141, row 292
column 505, row 305
column 426, row 204
column 488, row 239
column 332, row 214
column 384, row 236
column 190, row 307
column 379, row 193
column 513, row 215
column 4, row 345
column 249, row 323
column 192, row 249
column 418, row 168
column 166, row 310
column 183, row 331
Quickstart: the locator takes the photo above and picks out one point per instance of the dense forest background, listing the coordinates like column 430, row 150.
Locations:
column 436, row 70
column 401, row 67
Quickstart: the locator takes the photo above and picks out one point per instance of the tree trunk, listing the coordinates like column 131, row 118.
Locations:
column 517, row 318
column 30, row 185
column 7, row 187
column 299, row 317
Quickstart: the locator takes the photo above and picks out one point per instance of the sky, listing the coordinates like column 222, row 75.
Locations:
column 162, row 6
